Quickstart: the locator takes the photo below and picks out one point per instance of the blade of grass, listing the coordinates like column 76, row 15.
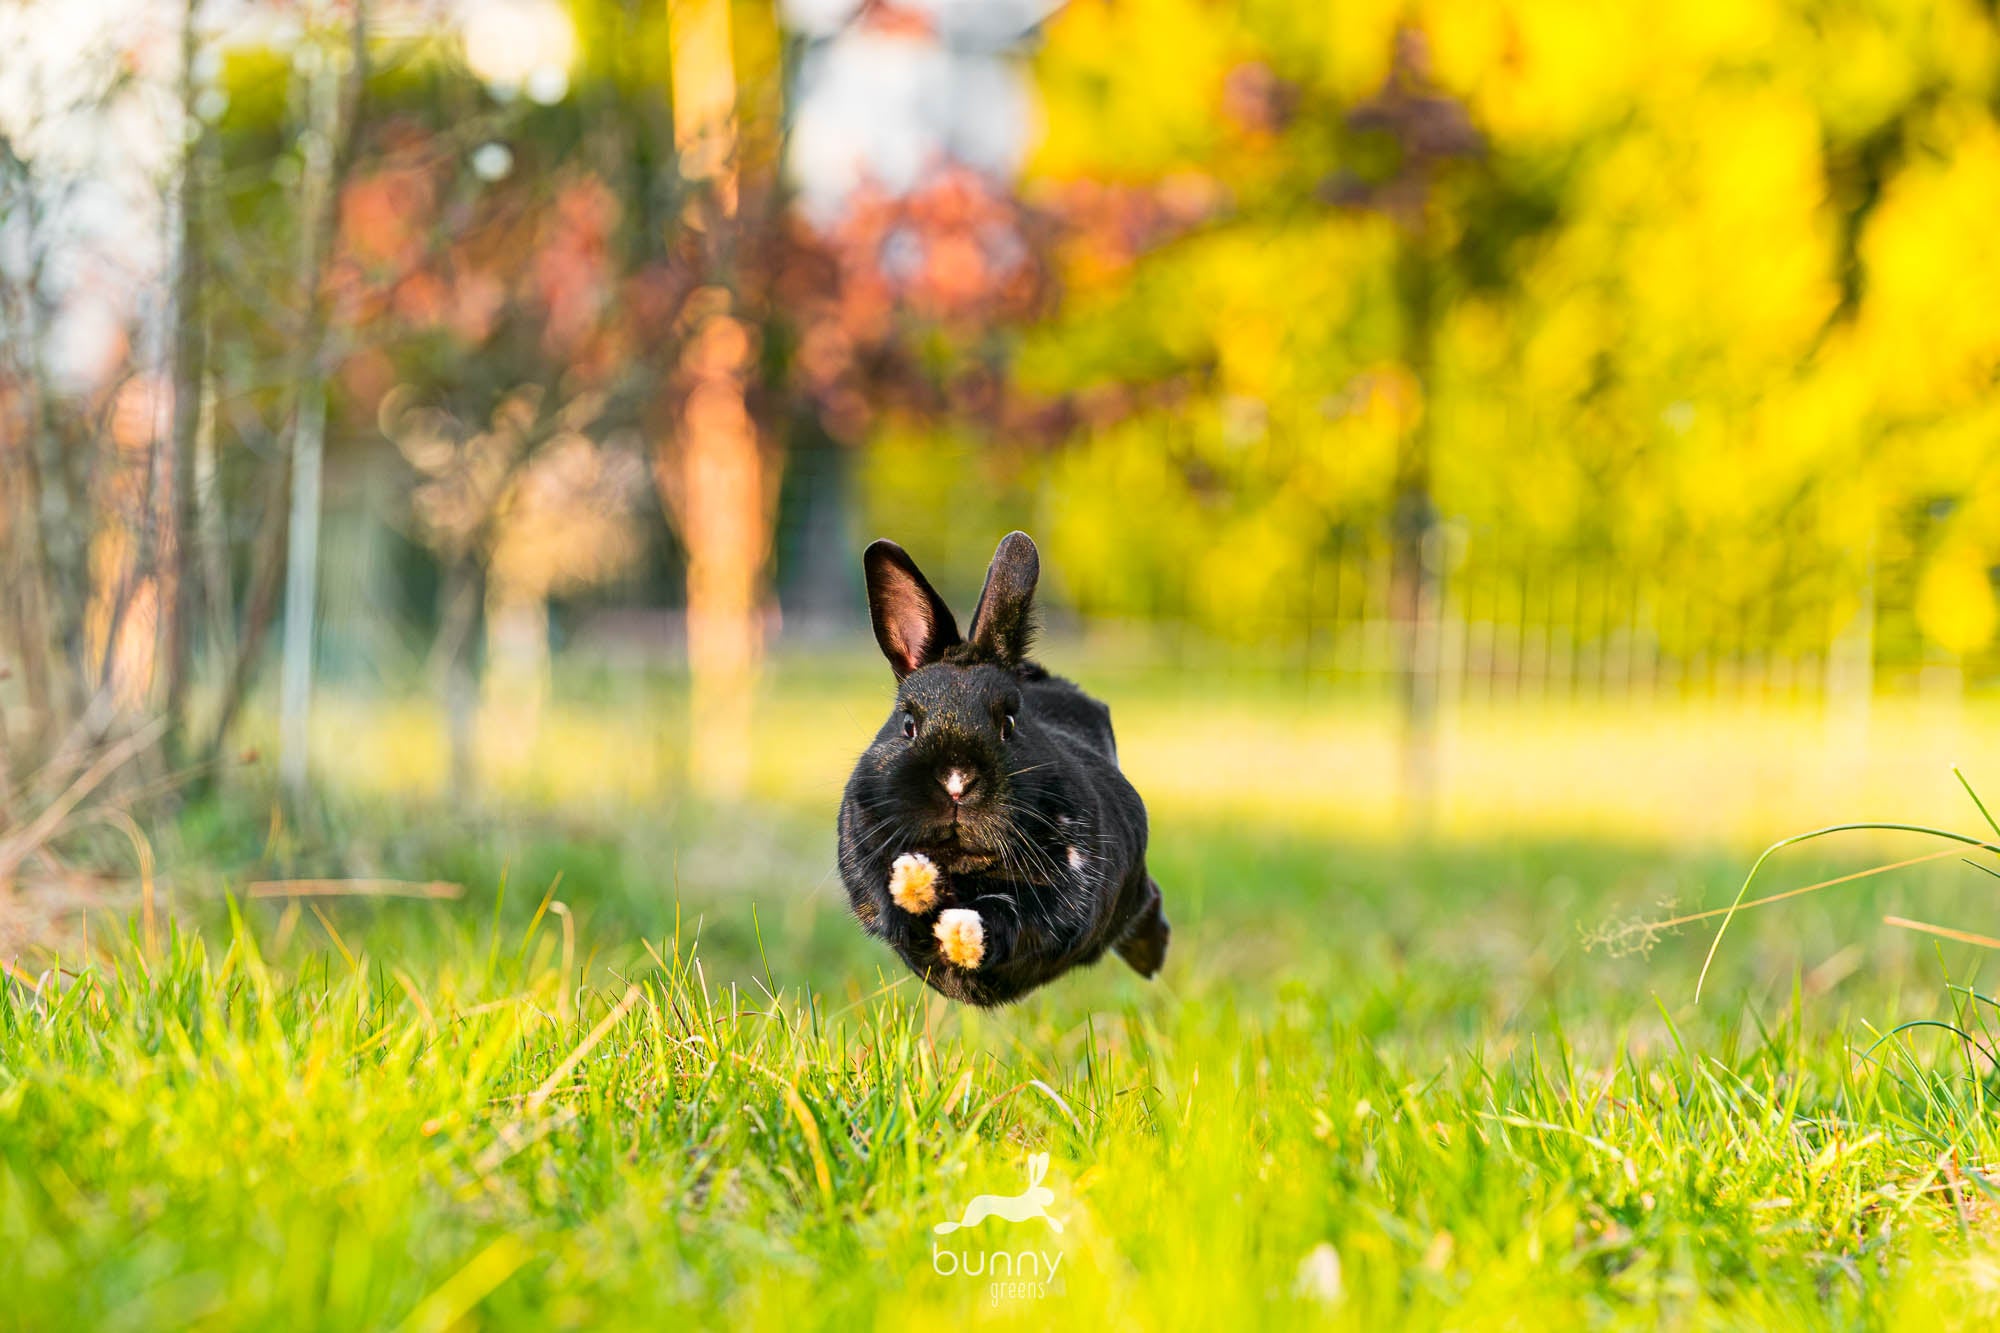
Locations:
column 562, row 1071
column 355, row 888
column 1711, row 913
column 1962, row 936
column 465, row 1289
column 1984, row 813
column 1736, row 905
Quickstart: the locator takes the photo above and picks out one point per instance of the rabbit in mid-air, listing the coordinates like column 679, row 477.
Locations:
column 987, row 834
column 1033, row 1201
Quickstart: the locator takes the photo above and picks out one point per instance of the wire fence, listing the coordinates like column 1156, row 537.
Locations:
column 1496, row 624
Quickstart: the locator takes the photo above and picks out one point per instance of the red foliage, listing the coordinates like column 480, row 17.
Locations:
column 897, row 307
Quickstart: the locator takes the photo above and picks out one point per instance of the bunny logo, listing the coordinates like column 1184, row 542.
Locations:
column 1033, row 1201
column 1011, row 1275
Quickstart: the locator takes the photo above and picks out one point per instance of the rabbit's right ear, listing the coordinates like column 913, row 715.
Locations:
column 1003, row 623
column 1038, row 1166
column 912, row 623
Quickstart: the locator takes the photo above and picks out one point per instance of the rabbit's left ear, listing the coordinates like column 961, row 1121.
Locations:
column 1038, row 1166
column 1004, row 622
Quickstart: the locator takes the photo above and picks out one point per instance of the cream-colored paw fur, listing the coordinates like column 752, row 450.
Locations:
column 961, row 935
column 913, row 882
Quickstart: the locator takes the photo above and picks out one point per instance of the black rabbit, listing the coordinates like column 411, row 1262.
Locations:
column 987, row 833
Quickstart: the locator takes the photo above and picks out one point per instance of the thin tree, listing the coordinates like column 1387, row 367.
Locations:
column 331, row 110
column 1430, row 131
column 189, row 371
column 712, row 471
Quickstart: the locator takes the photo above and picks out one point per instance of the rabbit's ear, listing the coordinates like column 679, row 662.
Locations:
column 912, row 623
column 1038, row 1166
column 1004, row 622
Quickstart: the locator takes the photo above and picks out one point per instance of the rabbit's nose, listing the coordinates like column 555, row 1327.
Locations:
column 956, row 783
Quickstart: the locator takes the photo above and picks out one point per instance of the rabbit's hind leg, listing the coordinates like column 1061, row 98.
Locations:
column 1144, row 945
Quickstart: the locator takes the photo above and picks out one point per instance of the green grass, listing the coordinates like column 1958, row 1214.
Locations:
column 728, row 1108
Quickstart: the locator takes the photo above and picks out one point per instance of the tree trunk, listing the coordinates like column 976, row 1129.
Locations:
column 1414, row 559
column 712, row 474
column 726, row 530
column 462, row 600
column 267, row 566
column 29, row 618
column 295, row 673
column 514, row 687
column 218, row 596
column 332, row 111
column 1850, row 670
column 189, row 374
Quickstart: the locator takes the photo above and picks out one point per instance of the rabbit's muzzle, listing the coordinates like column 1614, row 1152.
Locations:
column 959, row 850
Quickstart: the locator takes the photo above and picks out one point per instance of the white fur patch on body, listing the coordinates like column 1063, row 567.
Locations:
column 961, row 936
column 1076, row 858
column 913, row 882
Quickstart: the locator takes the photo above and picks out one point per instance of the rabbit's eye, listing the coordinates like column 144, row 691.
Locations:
column 909, row 726
column 1007, row 727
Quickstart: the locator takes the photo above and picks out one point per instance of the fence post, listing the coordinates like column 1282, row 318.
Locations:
column 1850, row 669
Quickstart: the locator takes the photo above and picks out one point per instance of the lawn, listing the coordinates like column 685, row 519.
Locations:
column 645, row 1073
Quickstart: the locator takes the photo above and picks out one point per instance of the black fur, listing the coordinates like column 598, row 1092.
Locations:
column 1047, row 844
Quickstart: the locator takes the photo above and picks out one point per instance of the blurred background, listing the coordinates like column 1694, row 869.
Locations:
column 437, row 439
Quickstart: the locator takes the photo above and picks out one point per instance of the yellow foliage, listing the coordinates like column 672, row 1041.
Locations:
column 1540, row 70
column 1129, row 89
column 1720, row 298
column 1955, row 602
column 1931, row 322
column 1352, row 46
column 1868, row 72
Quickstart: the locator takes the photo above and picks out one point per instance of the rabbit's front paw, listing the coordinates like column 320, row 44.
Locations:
column 913, row 882
column 961, row 936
